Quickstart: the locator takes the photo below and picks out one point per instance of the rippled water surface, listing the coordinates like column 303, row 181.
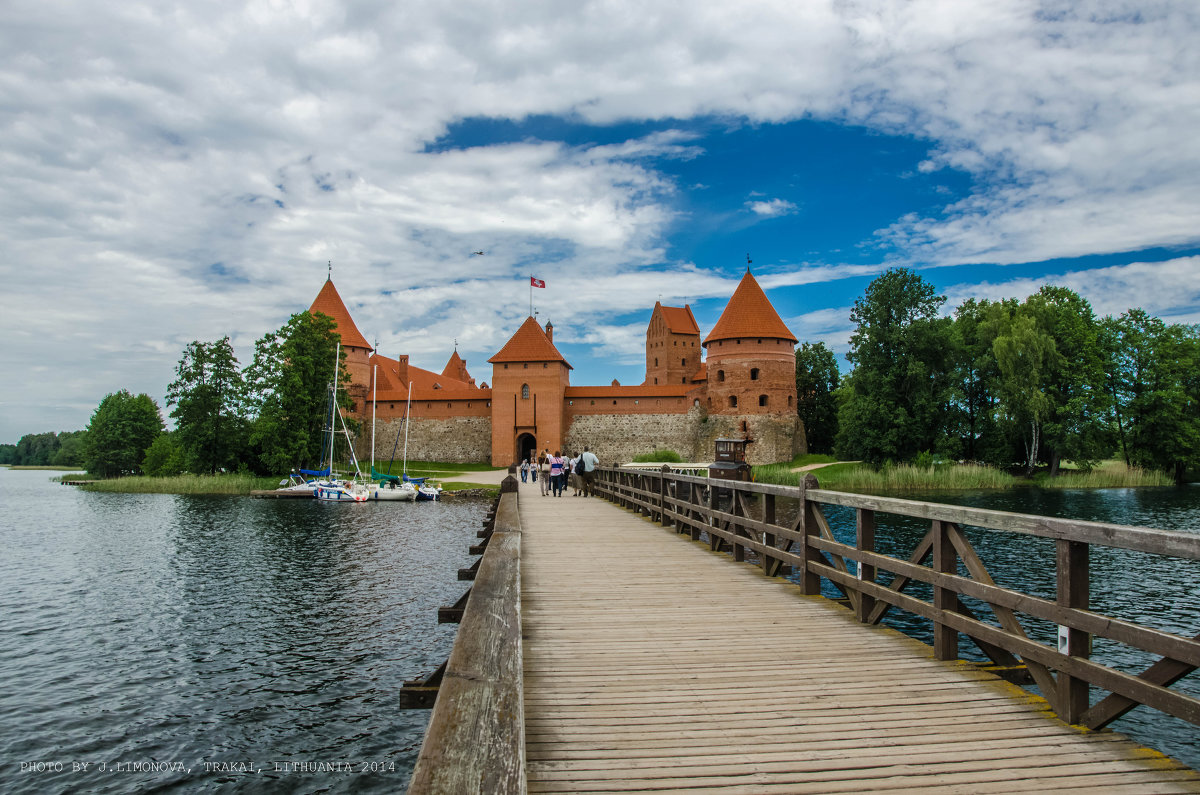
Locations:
column 204, row 637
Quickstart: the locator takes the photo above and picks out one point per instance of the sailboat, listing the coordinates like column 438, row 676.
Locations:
column 388, row 487
column 334, row 489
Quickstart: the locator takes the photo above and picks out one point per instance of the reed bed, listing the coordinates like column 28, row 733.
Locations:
column 1110, row 475
column 234, row 483
column 898, row 478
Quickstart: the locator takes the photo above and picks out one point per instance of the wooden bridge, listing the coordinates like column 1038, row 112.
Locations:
column 601, row 652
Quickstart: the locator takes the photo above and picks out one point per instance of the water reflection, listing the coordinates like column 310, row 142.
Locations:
column 162, row 629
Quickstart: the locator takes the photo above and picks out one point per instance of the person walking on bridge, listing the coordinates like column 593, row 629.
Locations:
column 590, row 462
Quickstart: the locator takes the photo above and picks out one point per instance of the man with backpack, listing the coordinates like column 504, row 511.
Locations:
column 589, row 462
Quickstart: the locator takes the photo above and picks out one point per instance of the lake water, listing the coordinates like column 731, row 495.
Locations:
column 207, row 644
column 177, row 643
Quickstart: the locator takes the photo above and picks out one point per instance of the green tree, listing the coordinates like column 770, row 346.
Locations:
column 1155, row 391
column 289, row 381
column 208, row 396
column 121, row 429
column 36, row 449
column 8, row 454
column 894, row 404
column 816, row 383
column 1024, row 354
column 70, row 449
column 1076, row 423
column 165, row 456
column 974, row 421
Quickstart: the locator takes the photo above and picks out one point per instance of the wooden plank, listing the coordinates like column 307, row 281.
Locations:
column 652, row 664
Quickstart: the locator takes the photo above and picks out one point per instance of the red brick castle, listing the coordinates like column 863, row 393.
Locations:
column 745, row 387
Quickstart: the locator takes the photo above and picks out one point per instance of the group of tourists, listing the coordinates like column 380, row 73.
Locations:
column 555, row 473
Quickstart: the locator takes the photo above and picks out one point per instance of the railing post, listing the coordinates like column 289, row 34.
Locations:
column 768, row 514
column 663, row 493
column 864, row 541
column 945, row 561
column 810, row 581
column 735, row 508
column 1073, row 565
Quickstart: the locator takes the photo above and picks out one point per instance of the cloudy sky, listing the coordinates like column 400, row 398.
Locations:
column 172, row 172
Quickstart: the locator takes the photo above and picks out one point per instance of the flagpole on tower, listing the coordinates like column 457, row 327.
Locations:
column 531, row 295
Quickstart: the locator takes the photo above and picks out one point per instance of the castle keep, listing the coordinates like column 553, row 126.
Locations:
column 739, row 381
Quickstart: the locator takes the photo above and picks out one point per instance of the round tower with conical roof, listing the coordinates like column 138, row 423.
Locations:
column 751, row 367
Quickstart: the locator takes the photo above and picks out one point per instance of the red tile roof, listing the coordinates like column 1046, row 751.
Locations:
column 749, row 314
column 426, row 385
column 680, row 320
column 328, row 302
column 529, row 344
column 456, row 368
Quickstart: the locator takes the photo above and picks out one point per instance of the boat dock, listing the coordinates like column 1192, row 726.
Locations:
column 648, row 661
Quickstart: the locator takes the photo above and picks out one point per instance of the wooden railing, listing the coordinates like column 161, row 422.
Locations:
column 475, row 742
column 745, row 519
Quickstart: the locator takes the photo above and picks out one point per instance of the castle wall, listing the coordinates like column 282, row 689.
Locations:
column 617, row 438
column 455, row 439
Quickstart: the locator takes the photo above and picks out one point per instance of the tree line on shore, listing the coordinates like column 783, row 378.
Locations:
column 266, row 418
column 1015, row 384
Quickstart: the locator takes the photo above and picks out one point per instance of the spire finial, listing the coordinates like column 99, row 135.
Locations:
column 330, row 276
column 748, row 261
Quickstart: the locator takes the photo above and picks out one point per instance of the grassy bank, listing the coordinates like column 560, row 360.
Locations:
column 184, row 484
column 953, row 477
column 1109, row 475
column 899, row 478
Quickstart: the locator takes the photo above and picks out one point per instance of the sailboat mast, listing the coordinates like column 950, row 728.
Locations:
column 374, row 390
column 337, row 355
column 407, row 418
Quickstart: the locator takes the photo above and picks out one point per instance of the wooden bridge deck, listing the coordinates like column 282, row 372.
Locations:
column 651, row 663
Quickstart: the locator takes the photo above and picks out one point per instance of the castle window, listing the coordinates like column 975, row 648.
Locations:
column 683, row 380
column 636, row 402
column 524, row 391
column 593, row 403
column 655, row 380
column 545, row 365
column 789, row 401
column 449, row 405
column 696, row 402
column 720, row 375
column 762, row 400
column 733, row 401
column 683, row 362
column 656, row 361
column 428, row 405
column 570, row 402
column 760, row 342
column 489, row 404
column 753, row 373
column 506, row 366
column 614, row 402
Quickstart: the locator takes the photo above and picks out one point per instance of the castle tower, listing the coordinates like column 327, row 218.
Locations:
column 358, row 350
column 751, row 357
column 672, row 346
column 456, row 368
column 529, row 382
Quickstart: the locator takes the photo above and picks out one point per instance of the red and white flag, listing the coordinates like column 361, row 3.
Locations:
column 536, row 282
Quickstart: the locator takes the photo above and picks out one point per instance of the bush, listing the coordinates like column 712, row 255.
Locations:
column 660, row 456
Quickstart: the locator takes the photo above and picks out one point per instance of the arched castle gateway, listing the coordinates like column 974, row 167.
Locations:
column 745, row 388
